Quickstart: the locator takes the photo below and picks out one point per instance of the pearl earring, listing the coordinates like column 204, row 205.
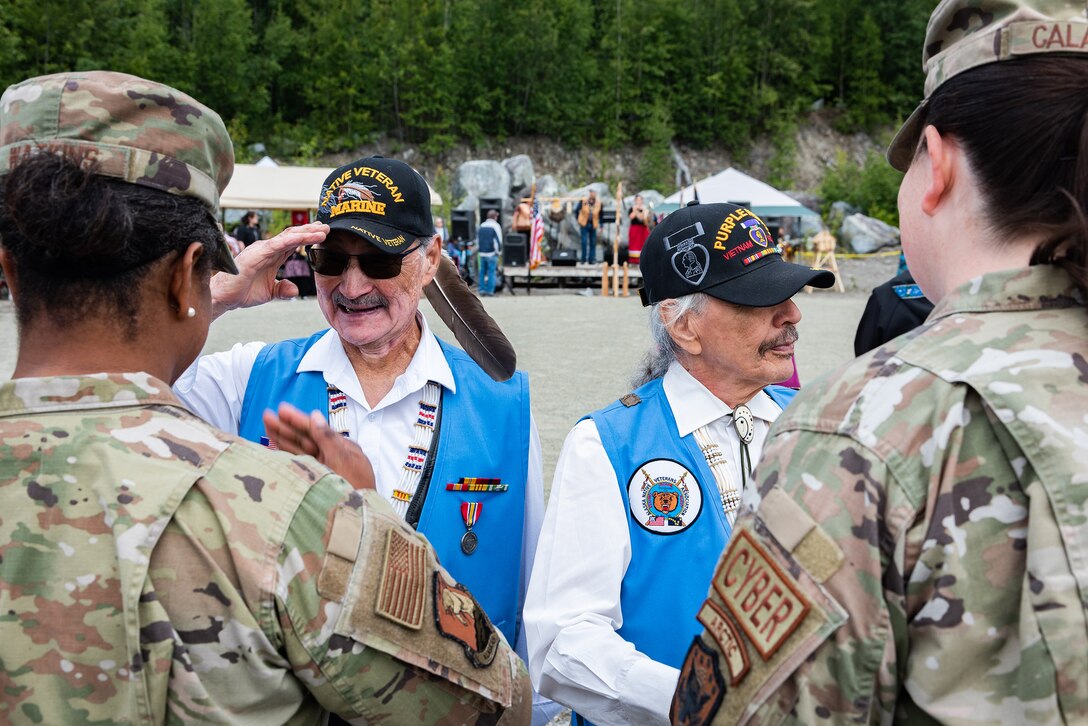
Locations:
column 190, row 313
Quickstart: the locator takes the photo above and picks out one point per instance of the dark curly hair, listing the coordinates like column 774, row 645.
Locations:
column 85, row 243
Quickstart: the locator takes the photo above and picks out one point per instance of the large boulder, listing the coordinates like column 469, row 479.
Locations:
column 838, row 212
column 810, row 226
column 522, row 174
column 864, row 234
column 547, row 186
column 481, row 179
column 469, row 202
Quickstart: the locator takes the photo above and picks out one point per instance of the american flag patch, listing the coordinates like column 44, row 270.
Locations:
column 265, row 441
column 402, row 593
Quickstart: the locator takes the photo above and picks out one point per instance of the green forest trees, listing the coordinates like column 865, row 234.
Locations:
column 310, row 76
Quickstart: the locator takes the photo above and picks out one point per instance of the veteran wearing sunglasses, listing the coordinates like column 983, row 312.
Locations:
column 456, row 453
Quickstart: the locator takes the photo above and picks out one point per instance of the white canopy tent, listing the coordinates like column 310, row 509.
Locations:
column 735, row 186
column 279, row 187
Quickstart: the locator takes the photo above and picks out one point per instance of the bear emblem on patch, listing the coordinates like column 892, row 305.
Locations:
column 664, row 496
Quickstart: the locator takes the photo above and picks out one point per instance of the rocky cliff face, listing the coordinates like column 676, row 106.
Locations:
column 814, row 146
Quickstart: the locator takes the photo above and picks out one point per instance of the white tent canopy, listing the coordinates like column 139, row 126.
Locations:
column 279, row 187
column 735, row 186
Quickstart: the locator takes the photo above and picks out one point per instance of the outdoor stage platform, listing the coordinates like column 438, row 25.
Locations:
column 548, row 275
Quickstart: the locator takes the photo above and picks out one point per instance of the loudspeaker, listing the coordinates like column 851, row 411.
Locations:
column 608, row 216
column 515, row 251
column 462, row 224
column 486, row 205
column 564, row 257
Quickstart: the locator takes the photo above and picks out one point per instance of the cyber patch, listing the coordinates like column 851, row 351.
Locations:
column 764, row 600
column 700, row 689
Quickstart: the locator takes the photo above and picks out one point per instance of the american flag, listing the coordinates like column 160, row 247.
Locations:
column 536, row 237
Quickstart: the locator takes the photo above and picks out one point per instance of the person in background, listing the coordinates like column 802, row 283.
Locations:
column 488, row 247
column 233, row 244
column 639, row 217
column 588, row 214
column 894, row 307
column 153, row 568
column 523, row 218
column 441, row 231
column 915, row 551
column 248, row 230
column 645, row 489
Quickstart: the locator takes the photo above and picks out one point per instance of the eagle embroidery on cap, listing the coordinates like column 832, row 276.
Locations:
column 664, row 497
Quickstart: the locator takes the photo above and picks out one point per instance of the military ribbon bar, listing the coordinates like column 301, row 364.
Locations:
column 476, row 484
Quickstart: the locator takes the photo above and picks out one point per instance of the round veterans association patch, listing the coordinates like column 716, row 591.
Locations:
column 664, row 497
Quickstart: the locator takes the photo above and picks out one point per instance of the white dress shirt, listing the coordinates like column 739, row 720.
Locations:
column 214, row 388
column 572, row 610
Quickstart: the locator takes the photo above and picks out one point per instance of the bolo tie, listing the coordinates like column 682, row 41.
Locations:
column 744, row 423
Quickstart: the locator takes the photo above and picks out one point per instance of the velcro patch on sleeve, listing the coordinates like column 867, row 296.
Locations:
column 775, row 612
column 764, row 600
column 389, row 609
column 725, row 634
column 340, row 555
column 700, row 689
column 402, row 593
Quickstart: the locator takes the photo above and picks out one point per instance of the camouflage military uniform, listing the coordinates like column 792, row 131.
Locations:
column 155, row 569
column 917, row 548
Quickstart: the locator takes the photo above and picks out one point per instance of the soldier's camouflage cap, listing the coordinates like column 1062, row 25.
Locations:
column 132, row 129
column 965, row 34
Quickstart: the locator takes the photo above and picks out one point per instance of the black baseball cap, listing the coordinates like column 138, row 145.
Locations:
column 725, row 251
column 384, row 201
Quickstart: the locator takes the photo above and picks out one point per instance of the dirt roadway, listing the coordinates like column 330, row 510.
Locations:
column 580, row 352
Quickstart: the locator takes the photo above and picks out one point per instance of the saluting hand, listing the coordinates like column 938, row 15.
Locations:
column 256, row 281
column 298, row 433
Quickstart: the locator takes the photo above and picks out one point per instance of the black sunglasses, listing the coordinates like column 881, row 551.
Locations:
column 377, row 266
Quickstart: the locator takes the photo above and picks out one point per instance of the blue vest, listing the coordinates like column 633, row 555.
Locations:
column 667, row 578
column 483, row 432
